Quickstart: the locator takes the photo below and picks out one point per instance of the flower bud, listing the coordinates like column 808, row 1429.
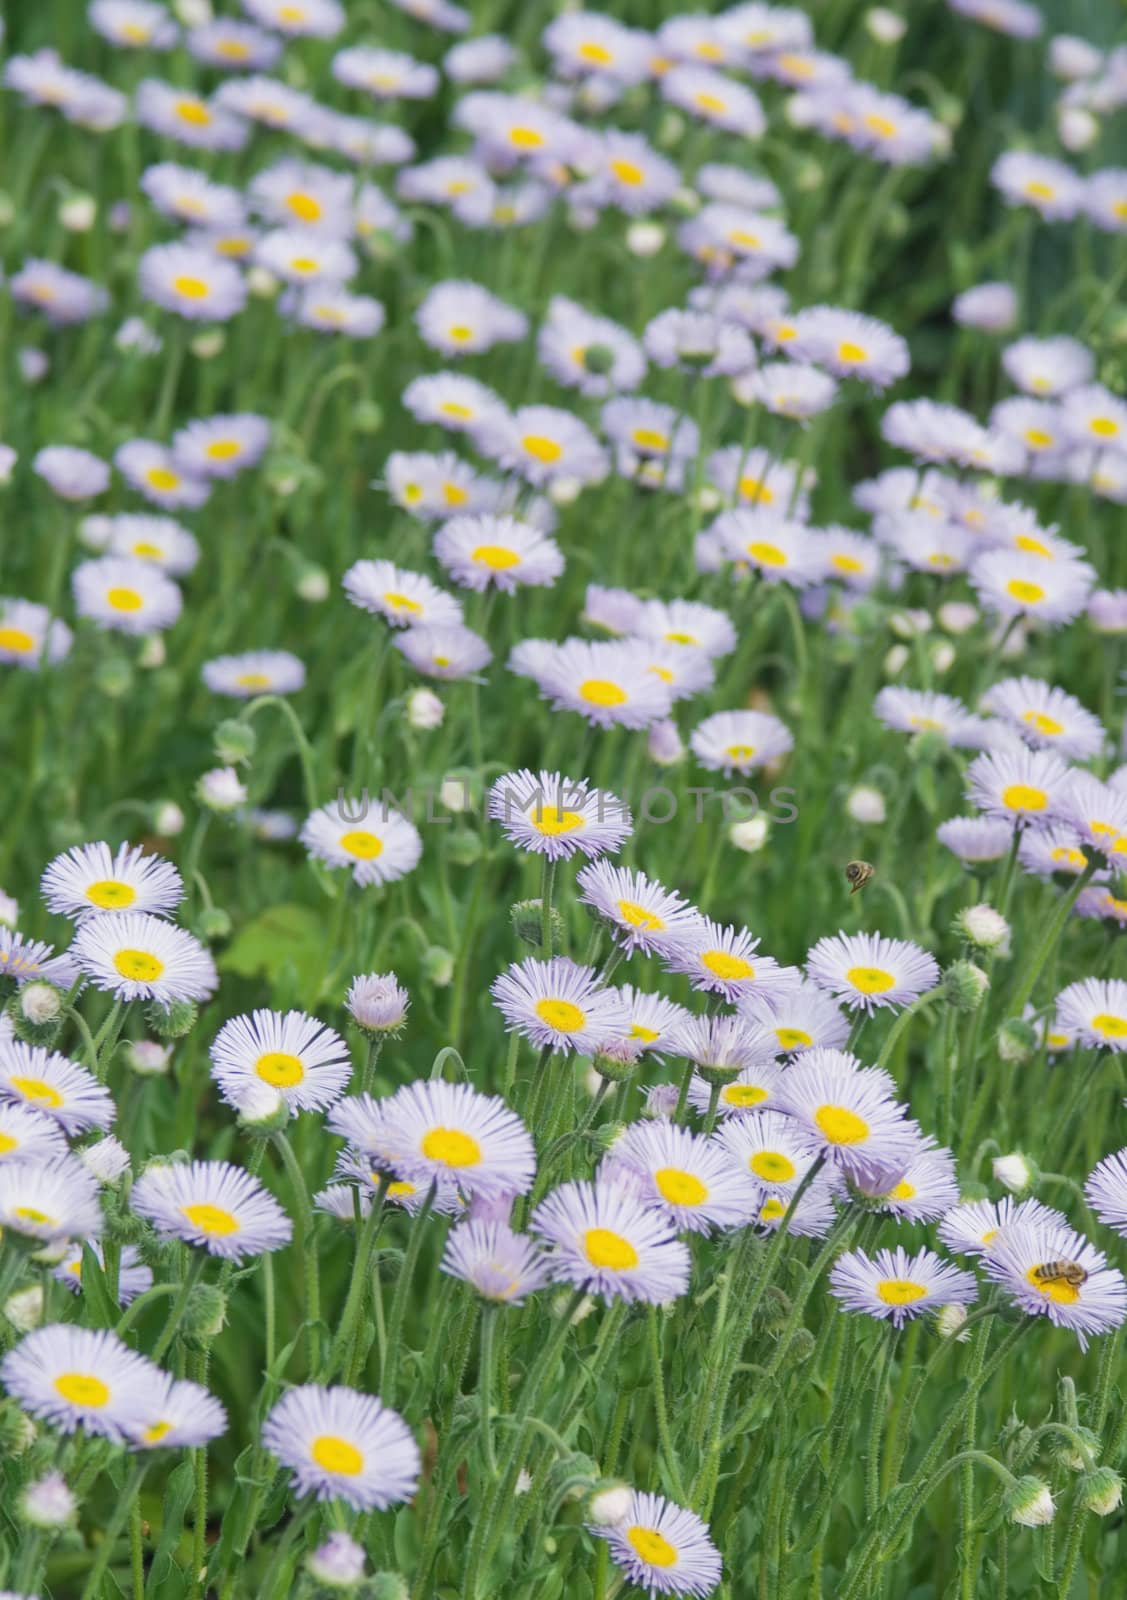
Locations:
column 965, row 986
column 949, row 1322
column 896, row 660
column 609, row 1504
column 528, row 924
column 107, row 1159
column 454, row 795
column 234, row 741
column 221, row 790
column 172, row 1021
column 213, row 923
column 664, row 744
column 9, row 910
column 337, row 1563
column 153, row 653
column 884, row 26
column 985, row 928
column 750, row 834
column 114, row 677
column 957, row 616
column 1101, row 1491
column 387, row 1586
column 1016, row 1172
column 147, row 1058
column 24, row 1309
column 37, row 1012
column 1017, row 1041
column 77, row 213
column 644, row 239
column 1030, row 1503
column 206, row 346
column 425, row 710
column 564, row 491
column 263, row 1110
column 168, row 819
column 205, row 1315
column 377, row 1003
column 438, row 966
column 312, row 585
column 1077, row 128
column 618, row 1062
column 262, row 284
column 367, row 417
column 464, row 847
column 865, row 804
column 47, row 1502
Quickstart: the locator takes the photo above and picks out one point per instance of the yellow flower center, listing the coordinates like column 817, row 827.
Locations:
column 607, row 1249
column 1037, row 189
column 1067, row 855
column 279, row 1068
column 638, row 916
column 335, row 1454
column 124, row 599
column 772, row 1210
column 1038, row 439
column 139, row 966
column 601, row 692
column 398, row 1191
column 305, row 264
column 451, row 1147
column 901, row 1291
column 155, row 1433
column 232, row 49
column 768, row 555
column 37, row 1219
column 793, row 1038
column 452, row 408
column 1028, row 594
column 36, row 1090
column 7, row 1144
column 849, row 564
column 723, row 964
column 223, row 449
column 17, row 641
column 496, row 557
column 711, row 103
column 1049, row 726
column 526, row 138
column 162, row 478
column 1023, row 797
column 628, row 172
column 883, row 127
column 211, row 1219
column 1059, row 1290
column 561, row 1015
column 652, row 1547
column 741, row 752
column 871, row 980
column 1032, row 546
column 402, row 602
column 1104, row 427
column 903, row 1191
column 853, row 353
column 1111, row 1027
column 680, row 1188
column 82, row 1389
column 743, row 1094
column 650, row 439
column 454, row 494
column 772, row 1166
column 797, row 66
column 840, row 1125
column 364, row 846
column 646, row 1035
column 550, row 820
column 541, row 448
column 253, row 680
column 144, row 550
column 193, row 112
column 110, row 894
column 305, row 206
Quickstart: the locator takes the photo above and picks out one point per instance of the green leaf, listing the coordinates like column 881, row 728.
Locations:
column 166, row 1579
column 101, row 1309
column 284, row 944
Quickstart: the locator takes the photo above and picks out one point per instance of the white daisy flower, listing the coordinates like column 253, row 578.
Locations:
column 606, row 1241
column 642, row 913
column 1094, row 1012
column 55, row 1086
column 588, row 352
column 256, row 672
column 716, row 99
column 435, row 1131
column 342, row 1445
column 1097, row 811
column 190, row 196
column 303, row 256
column 499, row 550
column 133, row 1276
column 549, row 814
column 193, row 282
column 683, row 1175
column 445, row 653
column 663, row 1548
column 377, row 843
column 404, row 598
column 740, row 741
column 213, row 1204
column 462, row 318
column 605, row 682
column 451, row 399
column 23, row 960
column 1088, row 1296
column 801, row 1018
column 25, row 1134
column 543, row 443
column 724, row 960
column 302, row 194
column 385, row 74
column 49, row 1200
column 28, row 636
column 1018, row 786
column 73, row 474
column 65, row 298
column 867, row 971
column 971, row 1228
column 848, row 1112
column 1106, row 1191
column 560, row 1005
column 89, row 879
column 1051, row 187
column 1048, row 367
column 779, row 550
column 221, row 447
column 655, row 1022
column 501, row 1265
column 327, row 308
column 850, row 345
column 140, row 957
column 138, row 536
column 317, row 19
column 233, row 46
column 924, row 711
column 151, row 469
column 125, row 596
column 73, row 1377
column 898, row 1286
column 307, row 1062
column 648, row 430
column 177, row 1414
column 770, row 1148
column 1047, row 718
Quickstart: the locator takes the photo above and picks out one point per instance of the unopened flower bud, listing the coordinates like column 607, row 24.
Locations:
column 234, row 741
column 367, row 417
column 168, row 819
column 213, row 923
column 750, row 834
column 949, row 1322
column 1017, row 1041
column 609, row 1505
column 644, row 239
column 206, row 346
column 664, row 744
column 464, row 847
column 438, row 966
column 617, row 1062
column 37, row 1012
column 47, row 1502
column 262, row 284
column 107, row 1159
column 24, row 1309
column 565, row 491
column 527, row 922
column 337, row 1563
column 377, row 1002
column 172, row 1021
column 147, row 1058
column 1077, row 128
column 985, row 928
column 17, row 1431
column 205, row 1314
column 153, row 653
column 896, row 660
column 77, row 213
column 221, row 790
column 454, row 795
column 884, row 26
column 387, row 1586
column 866, row 804
column 313, row 585
column 1030, row 1503
column 425, row 710
column 1101, row 1491
column 1016, row 1172
column 114, row 677
column 263, row 1110
column 965, row 985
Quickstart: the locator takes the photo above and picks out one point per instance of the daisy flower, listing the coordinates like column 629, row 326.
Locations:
column 723, row 237
column 1018, row 1260
column 29, row 637
column 435, row 1131
column 1047, row 718
column 451, row 399
column 723, row 960
column 791, row 389
column 662, row 1548
column 26, row 1135
column 52, row 1084
column 304, row 195
column 770, row 1147
column 430, row 485
column 648, row 430
column 232, row 45
column 267, row 101
column 1093, row 416
column 847, row 1111
column 125, row 596
column 343, row 1445
column 463, row 318
column 686, row 623
column 543, row 443
column 698, row 342
column 850, row 345
column 212, row 1204
column 1106, row 1191
column 73, row 474
column 626, row 171
column 1048, row 367
column 50, row 1200
column 560, row 1005
column 318, row 19
column 152, row 470
column 190, row 196
column 1094, row 1011
column 641, row 912
column 778, row 549
column 385, row 74
column 307, row 1062
column 133, row 1276
column 403, row 598
column 176, row 1414
column 1017, row 585
column 137, row 536
column 971, row 1228
column 140, row 957
column 800, row 1018
column 917, row 1188
column 73, row 1377
column 1097, row 811
column 327, row 308
column 551, row 815
column 65, row 298
column 195, row 283
column 1051, row 187
column 256, row 672
column 503, row 1266
column 812, row 1218
column 897, row 1286
column 655, row 1022
column 1018, row 786
column 447, row 654
column 87, row 879
column 304, row 256
column 923, row 711
column 683, row 1176
column 605, row 682
column 739, row 741
column 498, row 550
column 716, row 99
column 22, row 960
column 221, row 447
column 722, row 1047
column 866, row 970
column 607, row 1242
column 378, row 845
column 512, row 127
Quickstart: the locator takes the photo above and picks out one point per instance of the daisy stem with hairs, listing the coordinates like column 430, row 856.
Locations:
column 306, row 1244
column 196, row 1263
column 661, row 1410
column 485, row 1385
column 547, row 884
column 301, row 742
column 357, row 1285
column 113, row 1528
column 903, row 1021
column 389, row 1366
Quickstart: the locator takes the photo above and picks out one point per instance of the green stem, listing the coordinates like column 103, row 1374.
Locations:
column 661, row 1411
column 191, row 1277
column 389, row 1366
column 113, row 1528
column 306, row 1245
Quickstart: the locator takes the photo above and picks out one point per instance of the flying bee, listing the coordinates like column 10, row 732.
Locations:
column 1070, row 1272
column 857, row 875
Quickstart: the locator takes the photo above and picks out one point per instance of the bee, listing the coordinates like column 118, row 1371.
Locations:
column 857, row 874
column 1070, row 1272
